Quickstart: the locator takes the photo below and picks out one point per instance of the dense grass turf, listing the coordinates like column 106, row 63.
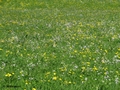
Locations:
column 59, row 45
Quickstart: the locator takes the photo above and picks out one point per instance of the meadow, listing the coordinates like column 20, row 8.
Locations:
column 59, row 45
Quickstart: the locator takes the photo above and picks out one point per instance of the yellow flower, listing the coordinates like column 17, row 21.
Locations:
column 95, row 68
column 118, row 56
column 1, row 49
column 60, row 79
column 8, row 75
column 21, row 55
column 26, row 82
column 47, row 73
column 88, row 63
column 54, row 73
column 117, row 72
column 33, row 88
column 69, row 82
column 83, row 68
column 75, row 51
column 118, row 49
column 81, row 76
column 48, row 80
column 54, row 78
column 2, row 41
column 106, row 51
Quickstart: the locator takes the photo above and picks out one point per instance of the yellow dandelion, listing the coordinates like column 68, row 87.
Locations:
column 117, row 72
column 75, row 51
column 95, row 68
column 54, row 78
column 8, row 75
column 33, row 88
column 88, row 63
column 81, row 76
column 60, row 79
column 106, row 51
column 1, row 49
column 54, row 73
column 2, row 41
column 48, row 80
column 28, row 54
column 69, row 82
column 26, row 82
column 105, row 73
column 83, row 68
column 47, row 73
column 118, row 49
column 21, row 55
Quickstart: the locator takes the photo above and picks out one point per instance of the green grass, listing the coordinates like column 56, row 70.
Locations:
column 59, row 45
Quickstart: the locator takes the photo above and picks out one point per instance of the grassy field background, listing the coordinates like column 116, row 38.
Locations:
column 59, row 45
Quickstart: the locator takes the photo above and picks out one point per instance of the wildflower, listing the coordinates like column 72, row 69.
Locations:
column 26, row 82
column 106, row 51
column 33, row 88
column 8, row 75
column 118, row 57
column 95, row 68
column 66, row 82
column 48, row 80
column 69, row 82
column 118, row 49
column 105, row 73
column 21, row 72
column 117, row 72
column 88, row 63
column 47, row 73
column 44, row 54
column 54, row 73
column 2, row 41
column 60, row 79
column 75, row 51
column 103, row 61
column 21, row 55
column 105, row 69
column 80, row 76
column 28, row 54
column 83, row 68
column 63, row 69
column 80, row 24
column 84, row 55
column 1, row 49
column 54, row 78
